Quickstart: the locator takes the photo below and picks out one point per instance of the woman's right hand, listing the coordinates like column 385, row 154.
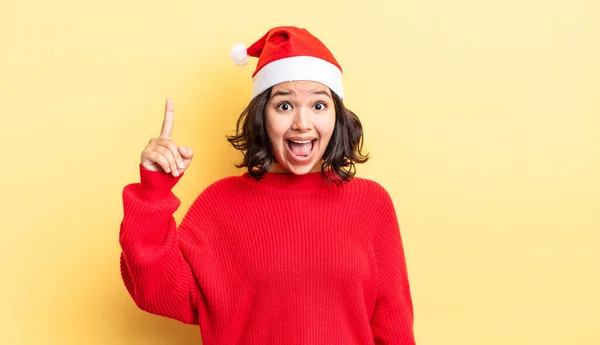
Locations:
column 162, row 154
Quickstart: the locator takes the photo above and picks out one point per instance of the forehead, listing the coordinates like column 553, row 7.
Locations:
column 300, row 87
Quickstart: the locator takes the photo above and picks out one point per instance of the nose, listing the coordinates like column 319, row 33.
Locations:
column 302, row 121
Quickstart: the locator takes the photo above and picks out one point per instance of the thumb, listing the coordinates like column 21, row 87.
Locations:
column 186, row 152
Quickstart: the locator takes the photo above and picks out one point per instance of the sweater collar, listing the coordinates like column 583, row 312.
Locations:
column 288, row 181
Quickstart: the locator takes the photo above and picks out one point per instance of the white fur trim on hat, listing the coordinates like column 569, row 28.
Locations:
column 299, row 68
column 239, row 54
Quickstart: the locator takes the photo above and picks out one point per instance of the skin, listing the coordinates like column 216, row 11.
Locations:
column 299, row 110
column 162, row 153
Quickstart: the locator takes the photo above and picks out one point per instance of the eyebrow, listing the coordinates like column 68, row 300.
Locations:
column 287, row 93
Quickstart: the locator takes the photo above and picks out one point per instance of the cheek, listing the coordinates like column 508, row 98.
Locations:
column 274, row 129
column 326, row 125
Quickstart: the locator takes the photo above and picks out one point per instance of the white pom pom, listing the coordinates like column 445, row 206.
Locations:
column 239, row 55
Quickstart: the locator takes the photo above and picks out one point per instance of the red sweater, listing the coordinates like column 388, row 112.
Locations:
column 284, row 260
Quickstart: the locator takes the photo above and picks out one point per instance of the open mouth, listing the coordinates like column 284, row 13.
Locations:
column 301, row 150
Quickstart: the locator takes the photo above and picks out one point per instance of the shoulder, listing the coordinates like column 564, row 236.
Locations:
column 225, row 185
column 220, row 190
column 227, row 182
column 374, row 196
column 370, row 188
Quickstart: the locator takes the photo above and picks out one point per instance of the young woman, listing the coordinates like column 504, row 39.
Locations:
column 296, row 250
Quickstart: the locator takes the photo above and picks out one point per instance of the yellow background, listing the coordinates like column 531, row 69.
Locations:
column 482, row 118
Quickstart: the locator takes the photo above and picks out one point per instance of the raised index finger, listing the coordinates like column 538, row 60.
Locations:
column 167, row 127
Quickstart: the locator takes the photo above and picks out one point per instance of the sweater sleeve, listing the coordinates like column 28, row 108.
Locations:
column 392, row 319
column 153, row 267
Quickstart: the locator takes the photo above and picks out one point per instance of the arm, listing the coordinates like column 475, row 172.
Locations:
column 153, row 267
column 392, row 319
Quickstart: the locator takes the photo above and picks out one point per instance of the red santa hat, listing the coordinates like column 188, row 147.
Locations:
column 288, row 53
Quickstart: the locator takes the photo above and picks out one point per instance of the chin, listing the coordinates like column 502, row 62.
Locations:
column 302, row 169
column 296, row 168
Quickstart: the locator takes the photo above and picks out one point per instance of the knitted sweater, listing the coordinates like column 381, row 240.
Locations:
column 285, row 260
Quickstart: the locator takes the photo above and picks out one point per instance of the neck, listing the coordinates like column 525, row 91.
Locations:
column 277, row 168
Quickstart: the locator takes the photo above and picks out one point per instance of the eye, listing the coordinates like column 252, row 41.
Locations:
column 284, row 106
column 320, row 106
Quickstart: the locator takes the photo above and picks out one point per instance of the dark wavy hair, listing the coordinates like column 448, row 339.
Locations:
column 342, row 153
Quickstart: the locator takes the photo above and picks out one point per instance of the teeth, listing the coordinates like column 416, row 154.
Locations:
column 301, row 142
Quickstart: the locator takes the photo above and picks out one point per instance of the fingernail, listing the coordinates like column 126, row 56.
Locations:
column 180, row 165
column 176, row 173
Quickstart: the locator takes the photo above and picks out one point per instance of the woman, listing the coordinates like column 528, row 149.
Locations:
column 294, row 251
